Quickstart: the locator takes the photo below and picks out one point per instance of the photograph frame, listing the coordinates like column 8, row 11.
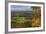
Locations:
column 6, row 16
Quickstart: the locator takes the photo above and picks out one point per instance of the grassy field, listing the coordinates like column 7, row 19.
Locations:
column 21, row 20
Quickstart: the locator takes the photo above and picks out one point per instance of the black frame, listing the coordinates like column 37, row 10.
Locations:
column 6, row 15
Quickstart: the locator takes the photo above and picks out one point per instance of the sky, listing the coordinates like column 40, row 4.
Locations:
column 20, row 8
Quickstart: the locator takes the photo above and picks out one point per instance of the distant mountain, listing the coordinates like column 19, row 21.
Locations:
column 21, row 13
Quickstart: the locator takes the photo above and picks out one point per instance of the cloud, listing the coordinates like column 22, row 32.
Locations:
column 21, row 8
